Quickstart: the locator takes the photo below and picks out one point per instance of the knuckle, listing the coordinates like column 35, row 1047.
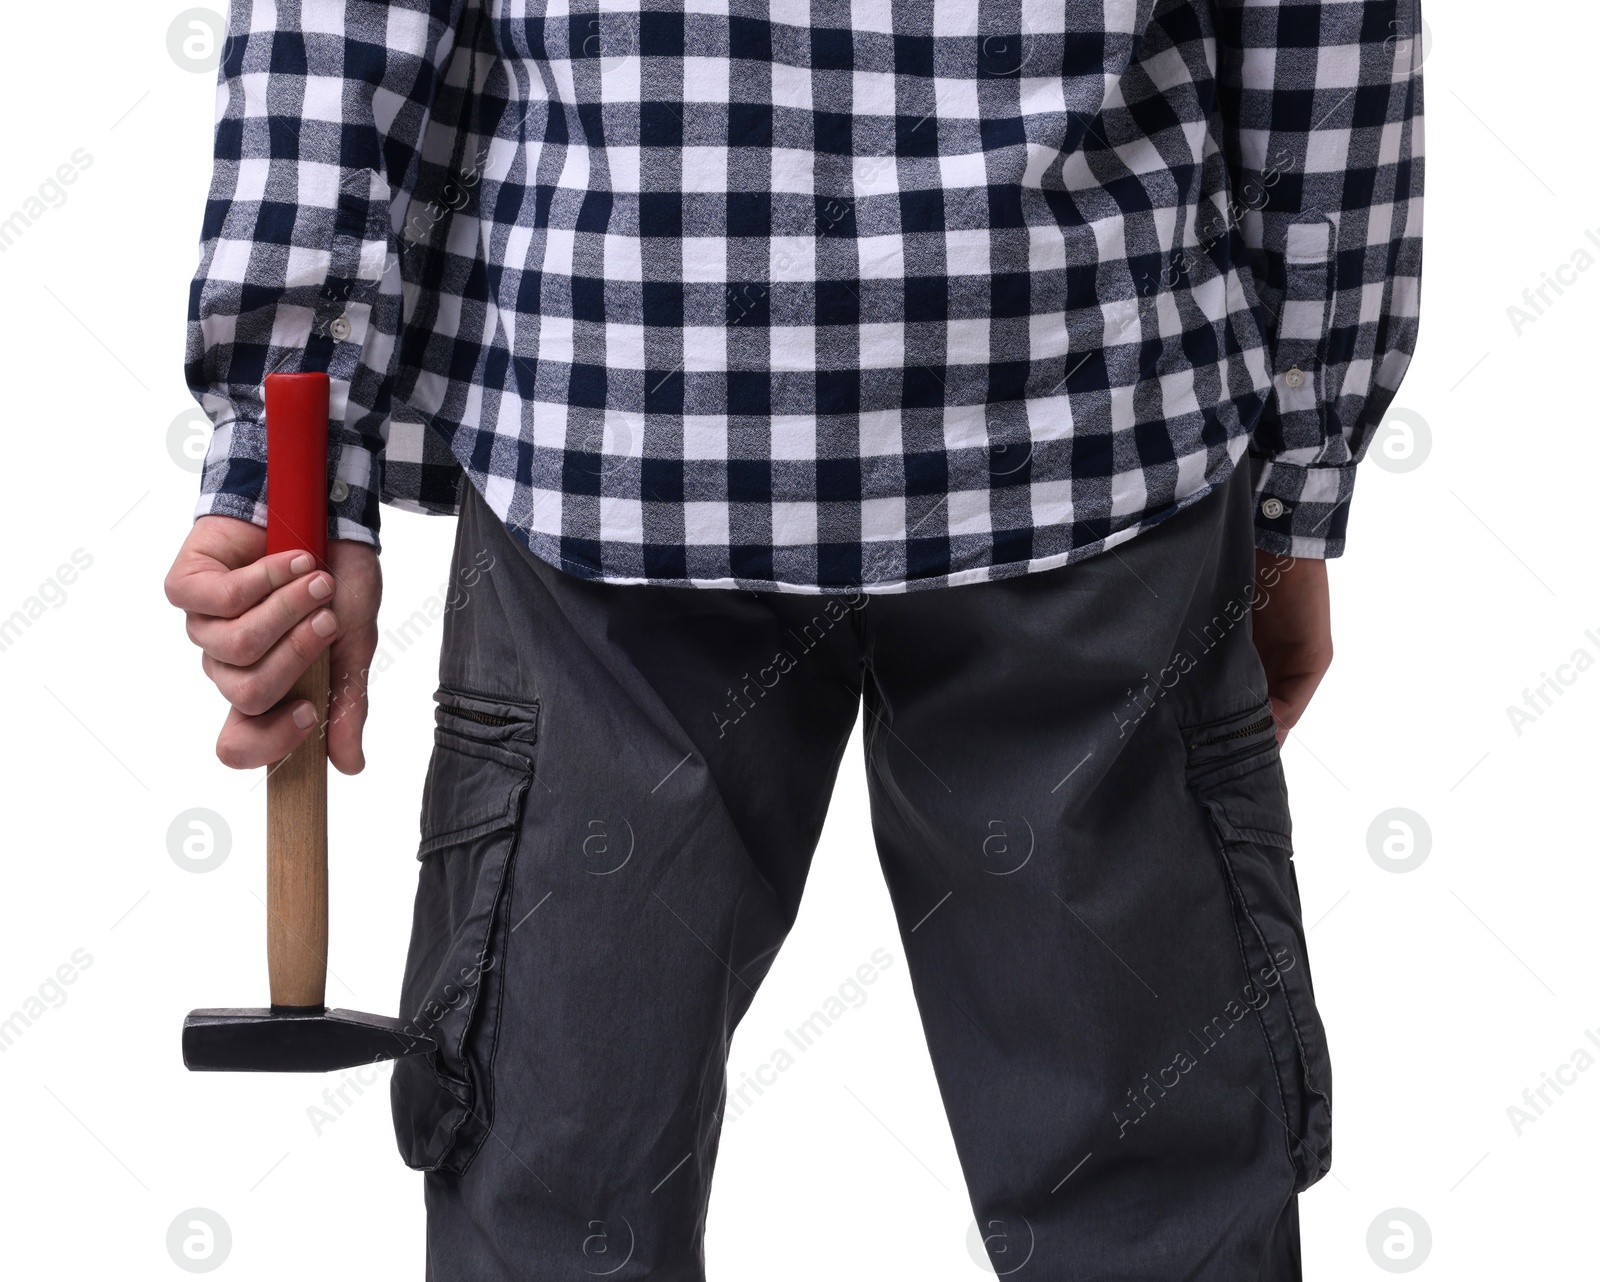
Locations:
column 240, row 647
column 229, row 650
column 305, row 645
column 234, row 593
column 219, row 647
column 288, row 607
column 251, row 695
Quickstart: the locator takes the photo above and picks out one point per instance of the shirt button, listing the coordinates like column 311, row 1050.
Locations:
column 1296, row 377
column 339, row 491
column 1272, row 509
column 339, row 327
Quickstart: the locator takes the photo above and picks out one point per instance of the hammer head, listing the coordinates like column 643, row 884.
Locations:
column 293, row 1039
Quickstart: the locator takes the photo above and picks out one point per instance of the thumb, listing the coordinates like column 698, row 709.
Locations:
column 350, row 660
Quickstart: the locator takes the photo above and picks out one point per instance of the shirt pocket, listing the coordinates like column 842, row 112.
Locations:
column 1234, row 772
column 478, row 778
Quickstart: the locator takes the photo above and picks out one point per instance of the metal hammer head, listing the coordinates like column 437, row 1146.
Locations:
column 293, row 1039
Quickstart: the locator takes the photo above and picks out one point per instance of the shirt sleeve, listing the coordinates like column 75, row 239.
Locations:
column 1321, row 106
column 321, row 110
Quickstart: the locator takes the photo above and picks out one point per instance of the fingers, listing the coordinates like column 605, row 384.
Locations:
column 255, row 688
column 260, row 621
column 250, row 739
column 249, row 742
column 198, row 583
column 245, row 640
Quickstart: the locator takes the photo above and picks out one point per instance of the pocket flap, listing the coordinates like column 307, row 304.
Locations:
column 1252, row 807
column 480, row 768
column 1234, row 766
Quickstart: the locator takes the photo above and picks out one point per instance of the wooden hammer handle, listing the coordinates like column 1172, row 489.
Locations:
column 297, row 857
column 297, row 787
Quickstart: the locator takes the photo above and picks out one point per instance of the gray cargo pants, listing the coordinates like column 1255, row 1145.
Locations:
column 1076, row 768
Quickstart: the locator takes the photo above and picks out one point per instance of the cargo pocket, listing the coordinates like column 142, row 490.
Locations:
column 483, row 762
column 1234, row 771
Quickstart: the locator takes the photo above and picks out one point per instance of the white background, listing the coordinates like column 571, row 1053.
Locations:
column 1447, row 990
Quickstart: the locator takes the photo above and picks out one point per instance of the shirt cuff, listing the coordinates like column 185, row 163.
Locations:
column 234, row 482
column 1301, row 511
column 354, row 494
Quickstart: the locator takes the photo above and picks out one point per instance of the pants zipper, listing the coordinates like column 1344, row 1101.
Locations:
column 482, row 718
column 1243, row 732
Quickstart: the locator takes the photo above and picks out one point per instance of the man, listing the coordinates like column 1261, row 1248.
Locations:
column 730, row 326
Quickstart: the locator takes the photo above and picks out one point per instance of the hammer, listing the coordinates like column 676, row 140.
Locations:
column 297, row 1033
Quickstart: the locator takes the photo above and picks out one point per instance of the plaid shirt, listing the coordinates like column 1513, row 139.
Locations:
column 811, row 294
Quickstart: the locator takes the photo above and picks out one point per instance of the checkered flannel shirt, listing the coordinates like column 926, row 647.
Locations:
column 812, row 294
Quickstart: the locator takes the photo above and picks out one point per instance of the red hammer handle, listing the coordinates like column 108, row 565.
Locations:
column 297, row 787
column 297, row 464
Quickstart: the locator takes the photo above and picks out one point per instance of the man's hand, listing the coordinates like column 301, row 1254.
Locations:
column 1293, row 632
column 261, row 620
